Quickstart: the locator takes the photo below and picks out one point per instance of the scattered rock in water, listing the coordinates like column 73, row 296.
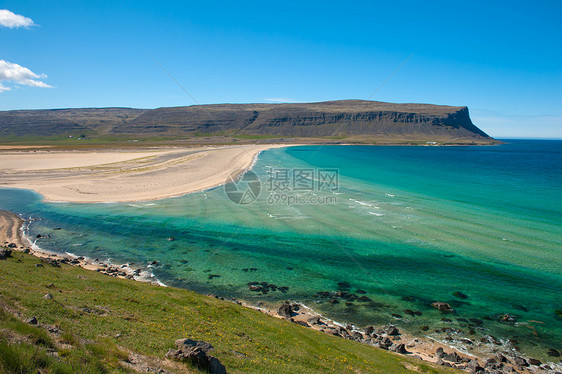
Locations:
column 289, row 268
column 154, row 263
column 171, row 239
column 38, row 265
column 31, row 321
column 446, row 320
column 507, row 318
column 391, row 330
column 520, row 307
column 460, row 295
column 344, row 286
column 285, row 310
column 322, row 294
column 334, row 301
column 57, row 228
column 490, row 339
column 476, row 321
column 361, row 292
column 397, row 316
column 197, row 353
column 265, row 287
column 441, row 306
column 369, row 330
column 212, row 276
column 47, row 296
column 408, row 298
column 553, row 353
column 424, row 328
column 534, row 361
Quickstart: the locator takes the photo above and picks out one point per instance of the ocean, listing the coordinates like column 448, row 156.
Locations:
column 366, row 235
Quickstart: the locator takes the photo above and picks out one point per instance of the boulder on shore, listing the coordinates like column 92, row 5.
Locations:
column 285, row 310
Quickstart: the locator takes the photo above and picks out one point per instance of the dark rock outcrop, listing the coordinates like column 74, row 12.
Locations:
column 5, row 253
column 285, row 310
column 197, row 353
column 399, row 348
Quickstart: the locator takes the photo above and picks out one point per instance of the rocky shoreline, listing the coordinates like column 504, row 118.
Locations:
column 387, row 337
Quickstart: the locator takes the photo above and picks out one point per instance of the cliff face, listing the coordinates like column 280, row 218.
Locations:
column 335, row 118
column 326, row 119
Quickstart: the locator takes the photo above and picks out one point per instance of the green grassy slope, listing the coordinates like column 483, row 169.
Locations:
column 126, row 316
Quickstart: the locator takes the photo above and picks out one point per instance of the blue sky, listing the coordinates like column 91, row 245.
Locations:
column 502, row 59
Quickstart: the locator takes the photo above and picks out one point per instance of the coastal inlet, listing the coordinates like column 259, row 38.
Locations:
column 480, row 237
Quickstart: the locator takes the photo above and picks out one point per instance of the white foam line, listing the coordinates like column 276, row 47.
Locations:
column 89, row 260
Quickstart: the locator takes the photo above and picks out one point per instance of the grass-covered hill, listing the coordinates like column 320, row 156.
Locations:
column 343, row 120
column 88, row 322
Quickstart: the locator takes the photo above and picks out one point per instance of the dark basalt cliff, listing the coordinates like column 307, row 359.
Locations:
column 345, row 118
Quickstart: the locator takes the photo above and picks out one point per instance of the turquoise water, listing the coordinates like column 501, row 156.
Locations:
column 407, row 226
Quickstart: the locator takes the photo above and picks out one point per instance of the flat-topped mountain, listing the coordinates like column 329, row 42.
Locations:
column 332, row 119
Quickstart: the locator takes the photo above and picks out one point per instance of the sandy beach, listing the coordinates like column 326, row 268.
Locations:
column 10, row 230
column 123, row 175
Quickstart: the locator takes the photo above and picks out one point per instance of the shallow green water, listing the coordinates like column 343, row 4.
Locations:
column 407, row 225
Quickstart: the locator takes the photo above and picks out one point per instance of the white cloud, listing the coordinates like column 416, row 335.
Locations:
column 19, row 75
column 12, row 20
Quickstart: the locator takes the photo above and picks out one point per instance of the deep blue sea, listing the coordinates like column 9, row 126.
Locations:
column 477, row 227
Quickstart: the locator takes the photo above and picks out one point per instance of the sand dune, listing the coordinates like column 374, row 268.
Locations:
column 152, row 174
